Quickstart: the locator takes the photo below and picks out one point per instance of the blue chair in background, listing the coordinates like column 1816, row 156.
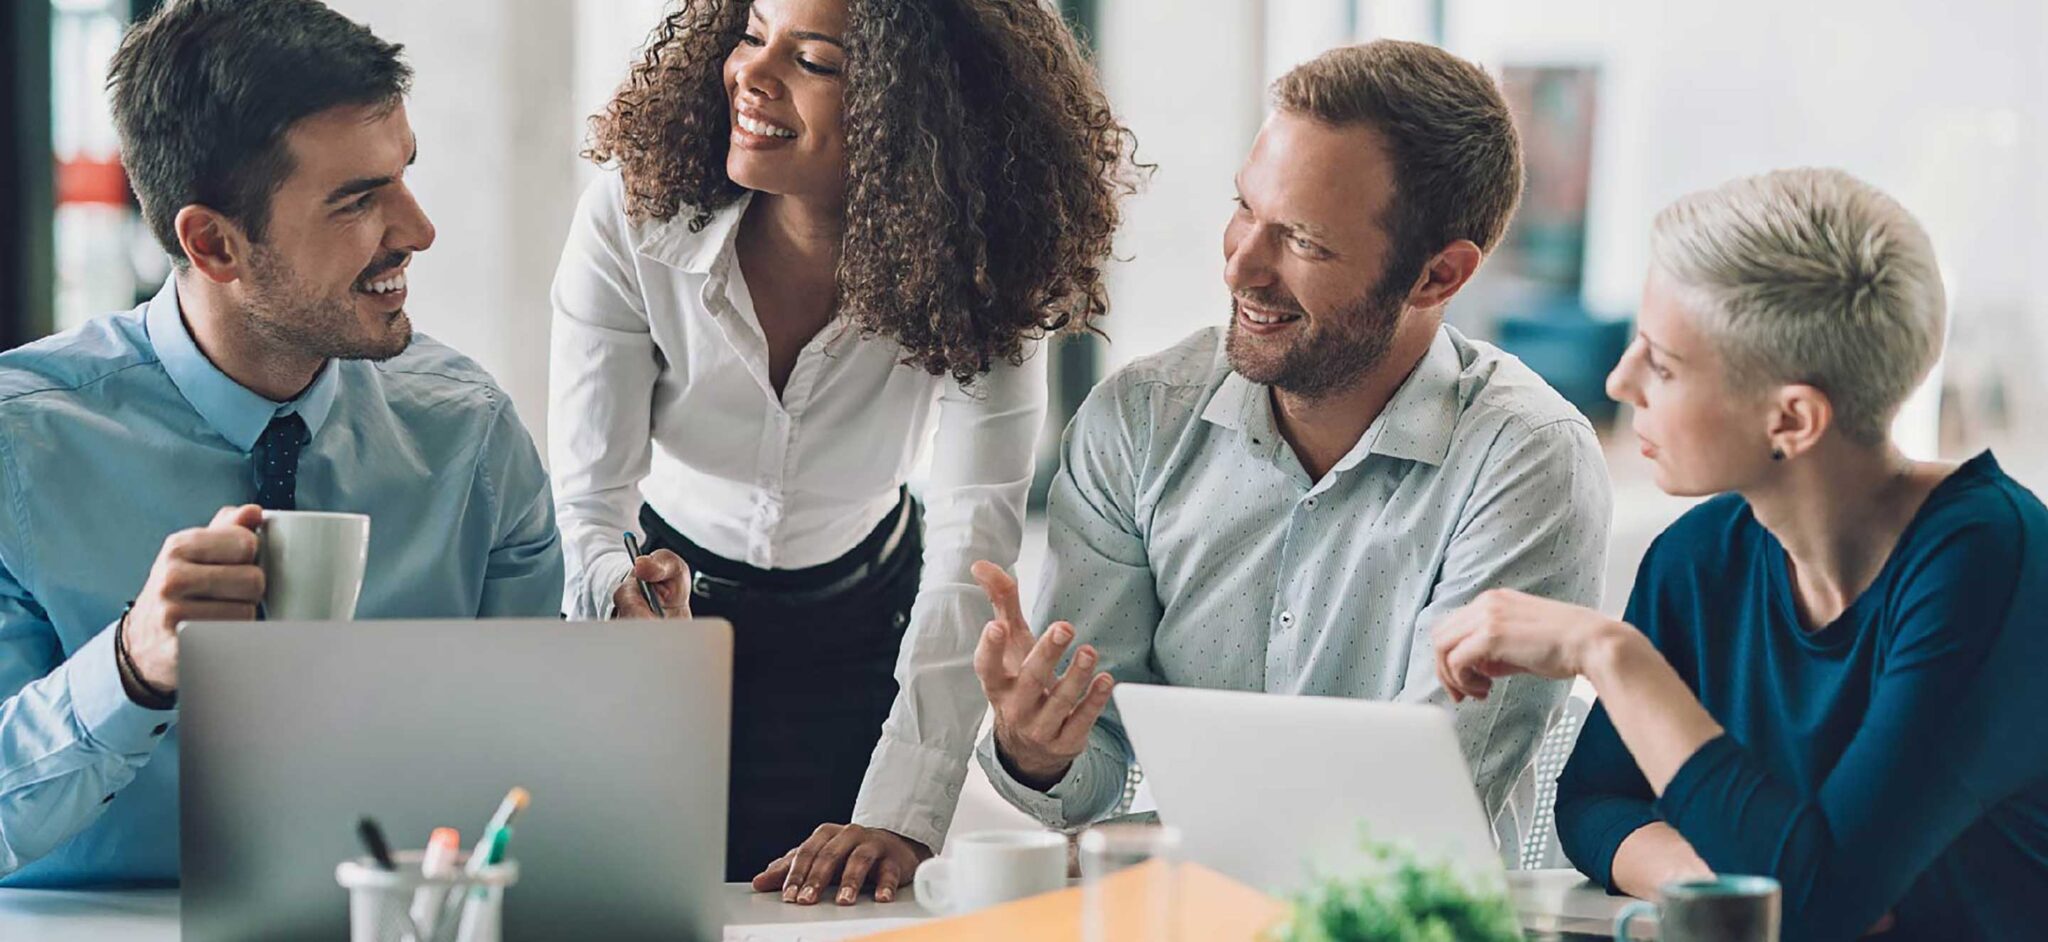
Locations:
column 1571, row 349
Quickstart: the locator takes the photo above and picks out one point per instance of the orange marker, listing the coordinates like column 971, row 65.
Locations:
column 438, row 862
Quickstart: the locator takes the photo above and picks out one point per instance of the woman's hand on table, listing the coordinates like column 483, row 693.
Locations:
column 847, row 855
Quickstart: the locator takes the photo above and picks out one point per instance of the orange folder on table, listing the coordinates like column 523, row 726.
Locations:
column 1210, row 908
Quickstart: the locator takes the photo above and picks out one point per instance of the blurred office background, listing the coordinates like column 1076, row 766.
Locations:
column 1624, row 105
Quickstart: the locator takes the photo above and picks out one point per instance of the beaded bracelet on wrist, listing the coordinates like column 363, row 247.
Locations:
column 151, row 696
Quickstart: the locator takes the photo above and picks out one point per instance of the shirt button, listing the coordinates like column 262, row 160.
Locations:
column 1311, row 503
column 161, row 728
column 1286, row 619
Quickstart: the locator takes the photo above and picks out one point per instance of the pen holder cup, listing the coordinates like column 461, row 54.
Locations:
column 402, row 905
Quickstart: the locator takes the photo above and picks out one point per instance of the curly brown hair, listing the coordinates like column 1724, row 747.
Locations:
column 984, row 167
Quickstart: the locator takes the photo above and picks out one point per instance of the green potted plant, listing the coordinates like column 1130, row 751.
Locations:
column 1393, row 897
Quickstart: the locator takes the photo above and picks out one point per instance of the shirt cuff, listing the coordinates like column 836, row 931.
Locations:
column 1050, row 807
column 911, row 789
column 102, row 706
column 1611, row 821
column 1688, row 787
column 601, row 578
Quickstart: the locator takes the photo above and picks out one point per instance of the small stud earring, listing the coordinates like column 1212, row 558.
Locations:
column 1777, row 454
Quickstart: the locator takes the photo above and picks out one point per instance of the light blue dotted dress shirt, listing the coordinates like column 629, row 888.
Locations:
column 1191, row 548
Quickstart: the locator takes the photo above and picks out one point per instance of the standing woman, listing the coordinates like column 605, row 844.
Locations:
column 1829, row 674
column 833, row 231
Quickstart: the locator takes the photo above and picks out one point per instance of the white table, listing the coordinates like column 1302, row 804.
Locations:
column 1563, row 901
column 1546, row 900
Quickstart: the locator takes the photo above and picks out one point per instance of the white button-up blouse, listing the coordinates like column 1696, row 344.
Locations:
column 659, row 391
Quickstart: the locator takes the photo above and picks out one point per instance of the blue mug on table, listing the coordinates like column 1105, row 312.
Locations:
column 1710, row 909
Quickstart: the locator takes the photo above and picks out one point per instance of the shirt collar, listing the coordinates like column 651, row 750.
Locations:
column 239, row 414
column 1247, row 408
column 1416, row 424
column 1236, row 404
column 670, row 241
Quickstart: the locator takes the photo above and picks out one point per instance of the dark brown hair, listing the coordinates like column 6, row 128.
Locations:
column 1457, row 159
column 204, row 90
column 984, row 167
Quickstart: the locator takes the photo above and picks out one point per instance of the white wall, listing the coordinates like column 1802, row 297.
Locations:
column 501, row 98
column 1940, row 105
column 492, row 106
column 1189, row 86
column 610, row 35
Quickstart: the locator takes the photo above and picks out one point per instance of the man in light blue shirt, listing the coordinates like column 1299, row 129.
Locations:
column 1289, row 504
column 276, row 369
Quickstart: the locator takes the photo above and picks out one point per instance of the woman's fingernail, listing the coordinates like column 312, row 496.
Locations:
column 809, row 895
column 884, row 895
column 846, row 895
column 789, row 894
column 1062, row 634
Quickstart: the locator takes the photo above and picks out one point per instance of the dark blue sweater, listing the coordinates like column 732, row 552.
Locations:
column 1895, row 760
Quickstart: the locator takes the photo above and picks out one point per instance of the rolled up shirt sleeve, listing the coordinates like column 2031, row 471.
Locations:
column 1099, row 578
column 1602, row 798
column 974, row 510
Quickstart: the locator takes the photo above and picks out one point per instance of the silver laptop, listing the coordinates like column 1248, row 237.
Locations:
column 1275, row 789
column 289, row 732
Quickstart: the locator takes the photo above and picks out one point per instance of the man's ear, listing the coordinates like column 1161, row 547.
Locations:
column 216, row 245
column 1444, row 274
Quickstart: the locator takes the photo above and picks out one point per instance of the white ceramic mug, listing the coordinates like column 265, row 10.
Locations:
column 312, row 564
column 989, row 867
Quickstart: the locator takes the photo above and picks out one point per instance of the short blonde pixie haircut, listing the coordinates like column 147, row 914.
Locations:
column 1810, row 276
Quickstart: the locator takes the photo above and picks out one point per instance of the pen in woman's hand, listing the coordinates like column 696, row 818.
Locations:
column 646, row 591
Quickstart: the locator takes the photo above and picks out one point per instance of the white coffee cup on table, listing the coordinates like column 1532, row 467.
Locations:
column 312, row 564
column 986, row 868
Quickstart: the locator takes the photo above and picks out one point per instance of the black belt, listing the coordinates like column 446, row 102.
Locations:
column 705, row 586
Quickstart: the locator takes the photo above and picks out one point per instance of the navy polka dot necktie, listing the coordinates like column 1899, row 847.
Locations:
column 277, row 462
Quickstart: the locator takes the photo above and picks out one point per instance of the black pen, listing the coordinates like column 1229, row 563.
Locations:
column 646, row 591
column 373, row 839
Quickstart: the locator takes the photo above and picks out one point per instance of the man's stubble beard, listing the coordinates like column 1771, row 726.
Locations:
column 291, row 316
column 1332, row 353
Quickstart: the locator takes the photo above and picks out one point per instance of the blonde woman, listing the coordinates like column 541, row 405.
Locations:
column 1829, row 673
